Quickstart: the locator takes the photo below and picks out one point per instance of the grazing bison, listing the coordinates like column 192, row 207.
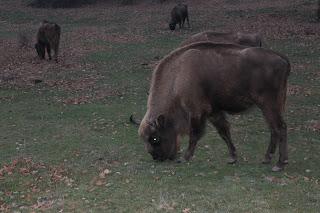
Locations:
column 246, row 39
column 48, row 37
column 204, row 81
column 178, row 16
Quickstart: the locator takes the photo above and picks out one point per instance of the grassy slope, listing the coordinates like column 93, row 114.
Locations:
column 75, row 143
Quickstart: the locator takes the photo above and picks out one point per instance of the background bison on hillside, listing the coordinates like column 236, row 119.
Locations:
column 48, row 37
column 178, row 16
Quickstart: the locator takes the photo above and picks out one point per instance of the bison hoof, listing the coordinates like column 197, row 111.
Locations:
column 232, row 160
column 187, row 156
column 267, row 159
column 277, row 168
column 181, row 160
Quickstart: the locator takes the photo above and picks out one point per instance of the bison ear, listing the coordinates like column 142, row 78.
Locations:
column 161, row 120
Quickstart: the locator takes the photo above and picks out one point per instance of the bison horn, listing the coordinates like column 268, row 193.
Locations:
column 135, row 122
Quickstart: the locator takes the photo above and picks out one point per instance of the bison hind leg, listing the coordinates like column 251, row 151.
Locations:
column 278, row 129
column 56, row 51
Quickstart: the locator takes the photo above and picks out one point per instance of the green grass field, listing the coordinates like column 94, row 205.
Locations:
column 66, row 144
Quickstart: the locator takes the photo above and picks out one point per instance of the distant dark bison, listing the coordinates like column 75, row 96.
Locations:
column 48, row 37
column 246, row 39
column 318, row 11
column 178, row 16
column 205, row 80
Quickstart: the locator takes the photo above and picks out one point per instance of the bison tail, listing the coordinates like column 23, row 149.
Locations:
column 57, row 29
column 283, row 97
column 283, row 94
column 289, row 67
column 135, row 122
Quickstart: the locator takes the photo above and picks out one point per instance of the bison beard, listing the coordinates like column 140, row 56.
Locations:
column 204, row 81
column 48, row 37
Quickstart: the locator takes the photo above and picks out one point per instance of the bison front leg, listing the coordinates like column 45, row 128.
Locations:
column 271, row 148
column 197, row 127
column 48, row 51
column 223, row 128
column 188, row 21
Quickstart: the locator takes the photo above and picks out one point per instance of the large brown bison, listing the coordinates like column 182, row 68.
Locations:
column 48, row 37
column 246, row 39
column 178, row 16
column 204, row 81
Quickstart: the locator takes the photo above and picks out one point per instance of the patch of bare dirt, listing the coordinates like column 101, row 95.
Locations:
column 73, row 85
column 22, row 68
column 276, row 20
column 89, row 98
column 314, row 126
column 40, row 175
column 295, row 90
column 94, row 33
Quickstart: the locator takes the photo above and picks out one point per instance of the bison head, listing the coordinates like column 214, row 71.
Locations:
column 160, row 138
column 40, row 50
column 172, row 25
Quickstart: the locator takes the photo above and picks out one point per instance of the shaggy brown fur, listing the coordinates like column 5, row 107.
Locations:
column 48, row 37
column 246, row 39
column 178, row 16
column 203, row 81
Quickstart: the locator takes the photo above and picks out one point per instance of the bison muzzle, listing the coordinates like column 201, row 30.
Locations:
column 204, row 81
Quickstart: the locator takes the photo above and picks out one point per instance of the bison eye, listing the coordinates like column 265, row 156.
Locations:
column 154, row 140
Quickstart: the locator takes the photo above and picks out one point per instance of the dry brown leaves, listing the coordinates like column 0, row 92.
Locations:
column 26, row 166
column 93, row 34
column 22, row 166
column 4, row 207
column 314, row 126
column 43, row 204
column 295, row 90
column 73, row 85
column 20, row 67
column 276, row 180
column 100, row 180
column 97, row 95
column 39, row 173
column 186, row 210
